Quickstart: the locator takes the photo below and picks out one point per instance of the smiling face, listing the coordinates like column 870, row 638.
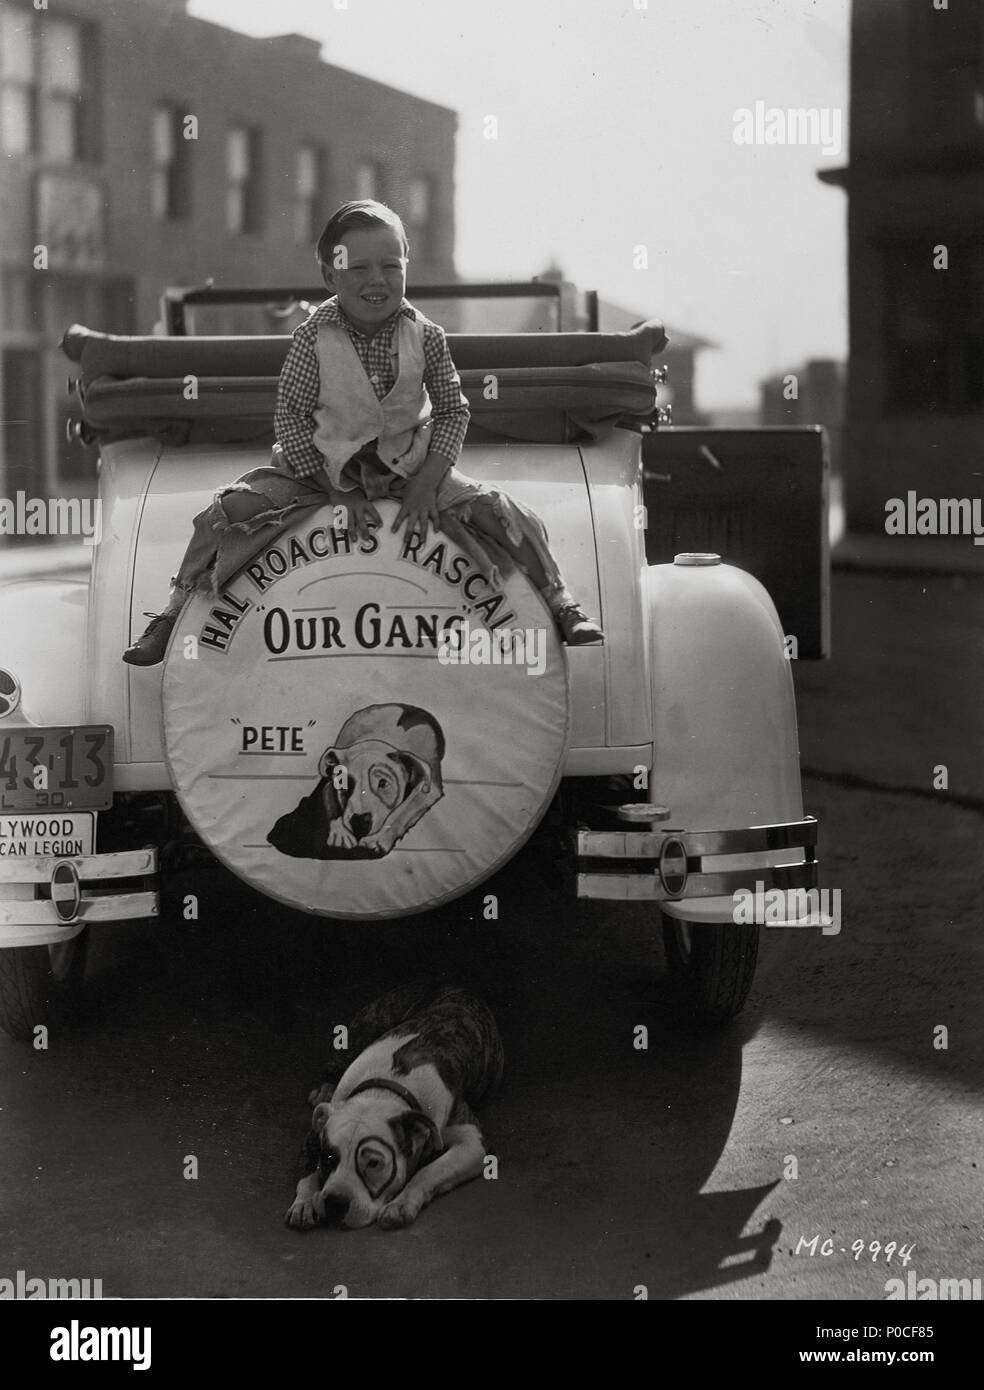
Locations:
column 368, row 272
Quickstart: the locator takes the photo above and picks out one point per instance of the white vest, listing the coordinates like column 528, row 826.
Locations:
column 349, row 414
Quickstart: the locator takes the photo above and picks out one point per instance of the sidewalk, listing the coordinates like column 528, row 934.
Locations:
column 899, row 697
column 71, row 560
column 877, row 552
column 908, row 554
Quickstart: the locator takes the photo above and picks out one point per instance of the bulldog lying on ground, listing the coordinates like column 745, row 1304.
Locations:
column 396, row 1129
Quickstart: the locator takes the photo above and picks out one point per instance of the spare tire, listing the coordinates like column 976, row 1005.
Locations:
column 365, row 730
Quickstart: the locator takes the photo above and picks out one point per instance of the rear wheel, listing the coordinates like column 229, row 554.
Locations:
column 37, row 982
column 711, row 965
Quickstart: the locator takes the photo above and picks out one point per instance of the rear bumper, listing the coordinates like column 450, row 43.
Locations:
column 47, row 900
column 765, row 873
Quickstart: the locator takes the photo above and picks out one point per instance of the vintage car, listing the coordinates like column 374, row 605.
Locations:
column 368, row 730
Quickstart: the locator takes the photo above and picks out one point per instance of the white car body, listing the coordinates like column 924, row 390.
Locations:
column 691, row 694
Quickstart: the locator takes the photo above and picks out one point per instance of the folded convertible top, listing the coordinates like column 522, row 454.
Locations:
column 105, row 354
column 538, row 387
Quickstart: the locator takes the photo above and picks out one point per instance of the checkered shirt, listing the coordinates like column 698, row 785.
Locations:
column 297, row 393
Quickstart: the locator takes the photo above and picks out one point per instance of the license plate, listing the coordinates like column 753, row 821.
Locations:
column 31, row 836
column 61, row 769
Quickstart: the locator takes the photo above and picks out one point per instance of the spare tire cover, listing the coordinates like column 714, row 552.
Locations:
column 349, row 729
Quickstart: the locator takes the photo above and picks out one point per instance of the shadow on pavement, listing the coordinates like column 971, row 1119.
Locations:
column 200, row 1040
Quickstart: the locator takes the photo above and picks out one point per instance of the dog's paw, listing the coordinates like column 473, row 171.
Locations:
column 380, row 843
column 340, row 836
column 402, row 1211
column 301, row 1215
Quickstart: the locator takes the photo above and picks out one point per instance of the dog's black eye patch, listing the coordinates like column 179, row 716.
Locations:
column 413, row 717
column 411, row 768
column 312, row 1150
column 375, row 1163
column 328, row 1160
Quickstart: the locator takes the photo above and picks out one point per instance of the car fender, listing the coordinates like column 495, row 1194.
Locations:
column 726, row 749
column 43, row 644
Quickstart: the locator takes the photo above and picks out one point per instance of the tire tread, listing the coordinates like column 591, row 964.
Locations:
column 716, row 978
column 30, row 994
column 25, row 990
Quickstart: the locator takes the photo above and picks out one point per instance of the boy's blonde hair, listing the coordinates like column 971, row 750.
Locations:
column 360, row 212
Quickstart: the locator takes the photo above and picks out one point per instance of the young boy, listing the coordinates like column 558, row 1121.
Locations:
column 369, row 405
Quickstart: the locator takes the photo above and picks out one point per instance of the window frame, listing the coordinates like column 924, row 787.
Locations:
column 250, row 186
column 306, row 223
column 419, row 230
column 375, row 168
column 175, row 172
column 38, row 95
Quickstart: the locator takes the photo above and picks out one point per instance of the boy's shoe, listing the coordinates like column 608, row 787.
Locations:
column 576, row 628
column 149, row 649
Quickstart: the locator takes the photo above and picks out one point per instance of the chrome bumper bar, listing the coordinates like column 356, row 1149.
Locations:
column 76, row 891
column 667, row 865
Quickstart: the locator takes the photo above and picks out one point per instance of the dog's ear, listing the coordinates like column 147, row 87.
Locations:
column 417, row 1136
column 417, row 772
column 320, row 1116
column 329, row 761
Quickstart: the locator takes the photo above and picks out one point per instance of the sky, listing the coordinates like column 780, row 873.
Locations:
column 616, row 131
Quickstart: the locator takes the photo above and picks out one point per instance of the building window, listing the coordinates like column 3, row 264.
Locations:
column 47, row 85
column 18, row 301
column 419, row 210
column 309, row 178
column 17, row 71
column 23, row 429
column 243, row 206
column 170, row 170
column 933, row 332
column 61, row 88
column 369, row 179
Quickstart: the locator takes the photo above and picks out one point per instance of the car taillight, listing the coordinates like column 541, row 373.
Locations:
column 10, row 692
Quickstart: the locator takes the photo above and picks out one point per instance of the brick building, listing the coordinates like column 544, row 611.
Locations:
column 141, row 148
column 915, row 185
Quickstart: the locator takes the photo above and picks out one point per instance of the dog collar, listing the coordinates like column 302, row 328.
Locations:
column 383, row 1083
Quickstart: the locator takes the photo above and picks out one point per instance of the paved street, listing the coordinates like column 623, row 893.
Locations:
column 669, row 1168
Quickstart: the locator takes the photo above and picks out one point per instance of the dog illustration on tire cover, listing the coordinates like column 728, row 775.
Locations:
column 392, row 759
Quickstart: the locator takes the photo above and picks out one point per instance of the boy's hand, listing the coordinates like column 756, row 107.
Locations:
column 353, row 512
column 418, row 504
column 418, row 507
